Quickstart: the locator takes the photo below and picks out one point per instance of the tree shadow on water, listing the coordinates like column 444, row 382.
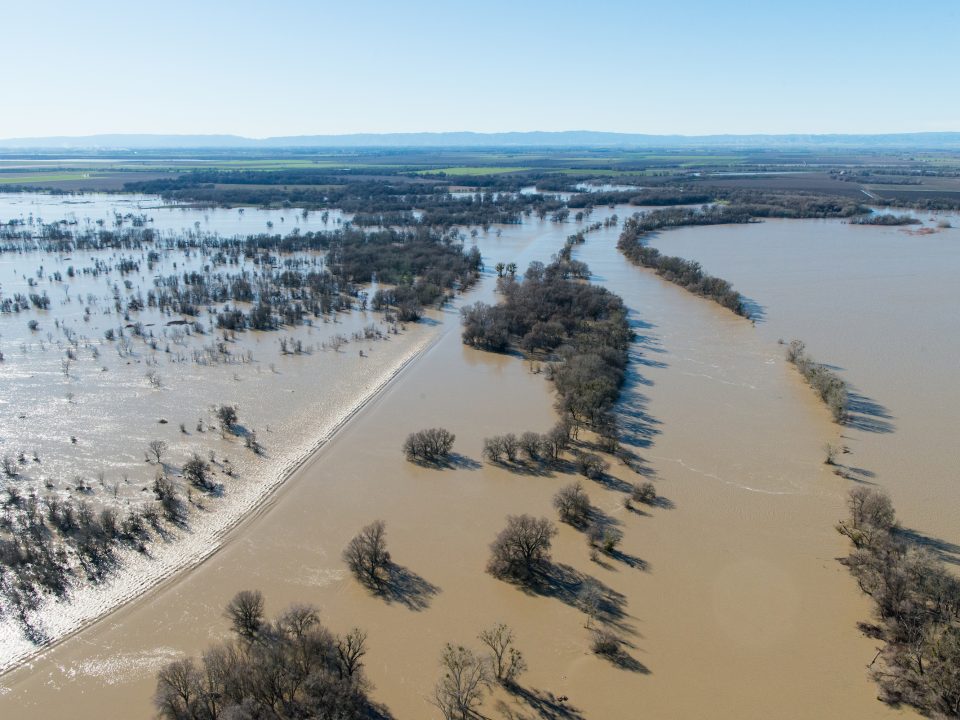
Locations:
column 755, row 311
column 867, row 415
column 629, row 560
column 453, row 461
column 565, row 583
column 404, row 586
column 543, row 704
column 943, row 550
column 625, row 661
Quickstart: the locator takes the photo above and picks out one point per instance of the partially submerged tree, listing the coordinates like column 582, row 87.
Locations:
column 245, row 612
column 227, row 415
column 366, row 554
column 196, row 471
column 590, row 465
column 572, row 504
column 506, row 660
column 157, row 448
column 521, row 547
column 645, row 493
column 431, row 445
column 465, row 679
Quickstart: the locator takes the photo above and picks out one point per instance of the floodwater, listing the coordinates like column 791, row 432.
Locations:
column 84, row 210
column 727, row 593
column 882, row 304
column 80, row 410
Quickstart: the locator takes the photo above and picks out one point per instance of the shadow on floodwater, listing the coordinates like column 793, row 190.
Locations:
column 867, row 415
column 405, row 587
column 943, row 550
column 566, row 584
column 755, row 311
column 543, row 705
column 453, row 461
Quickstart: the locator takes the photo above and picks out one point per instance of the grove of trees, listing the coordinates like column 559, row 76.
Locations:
column 917, row 604
column 290, row 668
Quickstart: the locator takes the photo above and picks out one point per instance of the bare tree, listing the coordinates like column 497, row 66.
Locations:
column 604, row 642
column 245, row 612
column 507, row 661
column 511, row 446
column 350, row 651
column 572, row 504
column 590, row 599
column 366, row 554
column 520, row 547
column 195, row 471
column 590, row 465
column 530, row 444
column 465, row 678
column 157, row 448
column 227, row 415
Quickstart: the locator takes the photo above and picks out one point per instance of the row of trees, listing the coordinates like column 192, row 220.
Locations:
column 917, row 602
column 831, row 388
column 685, row 273
column 398, row 200
column 534, row 447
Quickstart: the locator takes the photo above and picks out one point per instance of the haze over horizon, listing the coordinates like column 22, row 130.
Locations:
column 290, row 68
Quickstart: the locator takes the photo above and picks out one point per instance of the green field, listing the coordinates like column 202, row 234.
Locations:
column 24, row 179
column 476, row 170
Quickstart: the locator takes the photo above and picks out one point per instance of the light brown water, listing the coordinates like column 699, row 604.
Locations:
column 883, row 305
column 741, row 610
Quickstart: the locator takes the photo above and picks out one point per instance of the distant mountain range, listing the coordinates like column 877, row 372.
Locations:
column 566, row 139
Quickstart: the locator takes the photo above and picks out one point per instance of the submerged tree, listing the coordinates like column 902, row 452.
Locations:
column 465, row 679
column 521, row 547
column 366, row 554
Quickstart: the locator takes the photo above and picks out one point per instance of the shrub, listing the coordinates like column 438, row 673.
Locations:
column 644, row 493
column 604, row 642
column 590, row 465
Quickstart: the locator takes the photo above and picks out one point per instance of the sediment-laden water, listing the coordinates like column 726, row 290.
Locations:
column 727, row 593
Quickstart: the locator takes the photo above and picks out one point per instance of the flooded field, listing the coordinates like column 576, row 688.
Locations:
column 727, row 593
column 89, row 383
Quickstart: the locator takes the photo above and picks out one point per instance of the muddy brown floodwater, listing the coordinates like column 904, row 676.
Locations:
column 728, row 593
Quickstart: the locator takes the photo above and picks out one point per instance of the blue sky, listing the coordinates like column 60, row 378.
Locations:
column 289, row 67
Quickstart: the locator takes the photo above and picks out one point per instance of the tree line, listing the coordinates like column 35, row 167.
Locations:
column 917, row 604
column 686, row 273
column 831, row 388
